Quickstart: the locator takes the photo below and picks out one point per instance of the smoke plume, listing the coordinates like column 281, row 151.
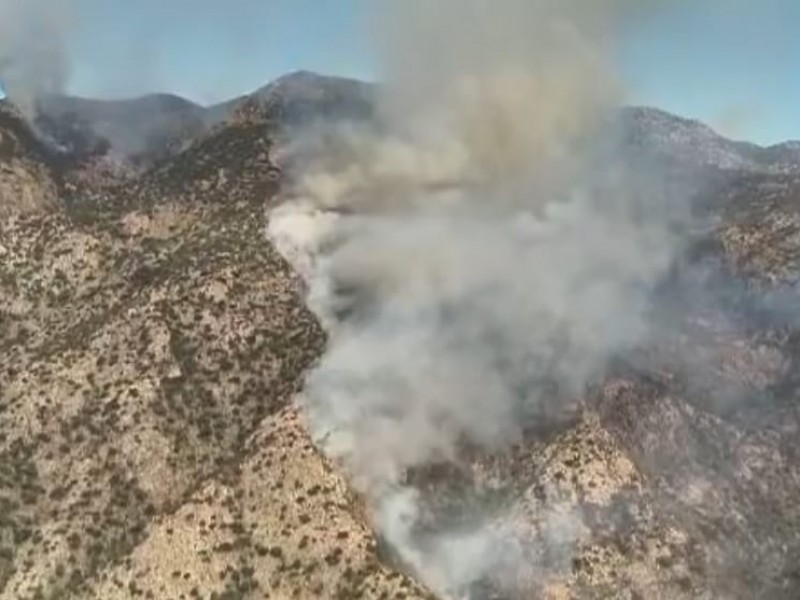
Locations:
column 474, row 259
column 33, row 53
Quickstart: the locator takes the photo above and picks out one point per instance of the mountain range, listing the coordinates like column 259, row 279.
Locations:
column 146, row 128
column 152, row 341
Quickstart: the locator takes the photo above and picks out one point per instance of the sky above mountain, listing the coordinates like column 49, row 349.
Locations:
column 734, row 64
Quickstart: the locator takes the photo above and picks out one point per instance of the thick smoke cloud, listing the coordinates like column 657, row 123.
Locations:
column 475, row 260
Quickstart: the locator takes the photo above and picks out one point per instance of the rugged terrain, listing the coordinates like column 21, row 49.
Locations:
column 152, row 341
column 149, row 129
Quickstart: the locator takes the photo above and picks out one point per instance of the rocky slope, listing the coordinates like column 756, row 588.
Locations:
column 140, row 130
column 152, row 342
column 697, row 144
column 675, row 475
column 28, row 181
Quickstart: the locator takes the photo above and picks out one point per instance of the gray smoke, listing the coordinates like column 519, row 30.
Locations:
column 474, row 260
column 39, row 41
column 33, row 48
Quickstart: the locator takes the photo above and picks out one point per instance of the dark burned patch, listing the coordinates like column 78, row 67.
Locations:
column 488, row 590
column 737, row 511
column 454, row 499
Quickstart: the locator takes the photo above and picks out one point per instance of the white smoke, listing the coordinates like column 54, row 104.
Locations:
column 475, row 263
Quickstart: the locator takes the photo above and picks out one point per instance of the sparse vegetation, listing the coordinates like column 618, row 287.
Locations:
column 152, row 342
column 149, row 333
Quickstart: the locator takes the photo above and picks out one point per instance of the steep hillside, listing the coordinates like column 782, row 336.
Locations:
column 147, row 130
column 673, row 475
column 152, row 342
column 141, row 129
column 28, row 181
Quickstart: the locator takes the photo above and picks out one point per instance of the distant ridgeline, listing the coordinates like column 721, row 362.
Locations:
column 144, row 131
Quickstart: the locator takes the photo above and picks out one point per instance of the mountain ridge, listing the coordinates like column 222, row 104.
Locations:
column 167, row 122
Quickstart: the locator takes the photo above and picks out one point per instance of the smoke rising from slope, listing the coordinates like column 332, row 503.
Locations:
column 475, row 261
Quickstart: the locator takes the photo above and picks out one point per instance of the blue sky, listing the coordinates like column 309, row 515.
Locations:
column 210, row 50
column 732, row 63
